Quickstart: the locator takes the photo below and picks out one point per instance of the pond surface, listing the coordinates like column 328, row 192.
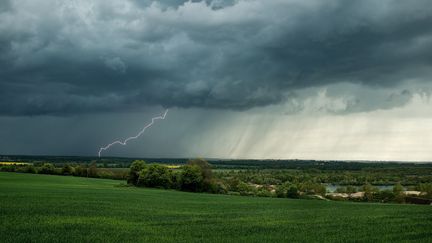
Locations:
column 333, row 187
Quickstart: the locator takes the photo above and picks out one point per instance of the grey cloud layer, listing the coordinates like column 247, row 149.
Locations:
column 62, row 57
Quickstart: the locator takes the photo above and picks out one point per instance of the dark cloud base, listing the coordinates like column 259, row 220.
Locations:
column 102, row 56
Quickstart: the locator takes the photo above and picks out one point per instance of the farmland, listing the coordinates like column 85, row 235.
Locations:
column 41, row 208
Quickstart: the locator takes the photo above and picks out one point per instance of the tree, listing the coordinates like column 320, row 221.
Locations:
column 282, row 190
column 292, row 192
column 384, row 196
column 398, row 189
column 369, row 191
column 136, row 167
column 155, row 176
column 191, row 178
column 233, row 183
column 205, row 167
column 341, row 189
column 92, row 170
column 206, row 172
column 67, row 170
column 80, row 170
column 425, row 188
column 47, row 168
column 351, row 189
column 245, row 190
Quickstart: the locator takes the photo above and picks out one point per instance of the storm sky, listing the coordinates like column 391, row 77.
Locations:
column 278, row 79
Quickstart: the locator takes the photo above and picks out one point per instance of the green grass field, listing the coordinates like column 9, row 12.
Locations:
column 43, row 208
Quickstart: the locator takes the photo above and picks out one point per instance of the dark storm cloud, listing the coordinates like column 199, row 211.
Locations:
column 89, row 56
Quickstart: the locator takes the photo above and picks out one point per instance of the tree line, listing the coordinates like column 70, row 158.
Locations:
column 197, row 176
column 82, row 170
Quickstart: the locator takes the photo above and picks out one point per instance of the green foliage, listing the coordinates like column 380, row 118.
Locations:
column 341, row 189
column 246, row 190
column 92, row 171
column 191, row 178
column 67, row 170
column 312, row 188
column 351, row 189
column 205, row 168
column 425, row 188
column 47, row 168
column 232, row 184
column 155, row 176
column 136, row 167
column 369, row 191
column 292, row 192
column 80, row 170
column 384, row 196
column 398, row 189
column 103, row 173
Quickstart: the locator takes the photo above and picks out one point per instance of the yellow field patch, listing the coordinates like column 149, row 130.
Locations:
column 173, row 166
column 13, row 163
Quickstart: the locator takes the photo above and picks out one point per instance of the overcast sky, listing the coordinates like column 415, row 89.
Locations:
column 307, row 79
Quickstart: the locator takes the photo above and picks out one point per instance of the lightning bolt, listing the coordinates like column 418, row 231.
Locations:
column 136, row 136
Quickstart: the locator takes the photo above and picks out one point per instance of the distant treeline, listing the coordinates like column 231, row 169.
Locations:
column 377, row 176
column 118, row 162
column 197, row 176
column 82, row 170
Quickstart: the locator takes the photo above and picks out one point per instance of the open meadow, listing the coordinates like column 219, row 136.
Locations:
column 42, row 208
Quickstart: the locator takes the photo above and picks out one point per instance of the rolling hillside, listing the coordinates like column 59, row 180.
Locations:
column 41, row 208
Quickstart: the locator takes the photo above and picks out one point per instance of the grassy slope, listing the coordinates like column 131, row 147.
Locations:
column 55, row 208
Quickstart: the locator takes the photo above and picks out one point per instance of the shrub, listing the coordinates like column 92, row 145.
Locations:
column 155, row 176
column 136, row 167
column 191, row 178
column 67, row 170
column 92, row 171
column 263, row 192
column 384, row 196
column 8, row 168
column 105, row 174
column 217, row 188
column 26, row 169
column 281, row 190
column 80, row 170
column 205, row 168
column 47, row 168
column 233, row 184
column 246, row 190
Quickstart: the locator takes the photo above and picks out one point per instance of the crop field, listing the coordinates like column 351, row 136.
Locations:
column 46, row 208
column 13, row 163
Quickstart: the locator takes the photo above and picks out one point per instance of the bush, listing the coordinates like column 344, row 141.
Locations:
column 293, row 192
column 191, row 179
column 175, row 180
column 218, row 188
column 155, row 176
column 92, row 171
column 246, row 190
column 425, row 188
column 136, row 167
column 80, row 170
column 206, row 172
column 26, row 169
column 369, row 192
column 263, row 192
column 281, row 190
column 232, row 184
column 384, row 196
column 67, row 170
column 105, row 174
column 8, row 168
column 47, row 168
